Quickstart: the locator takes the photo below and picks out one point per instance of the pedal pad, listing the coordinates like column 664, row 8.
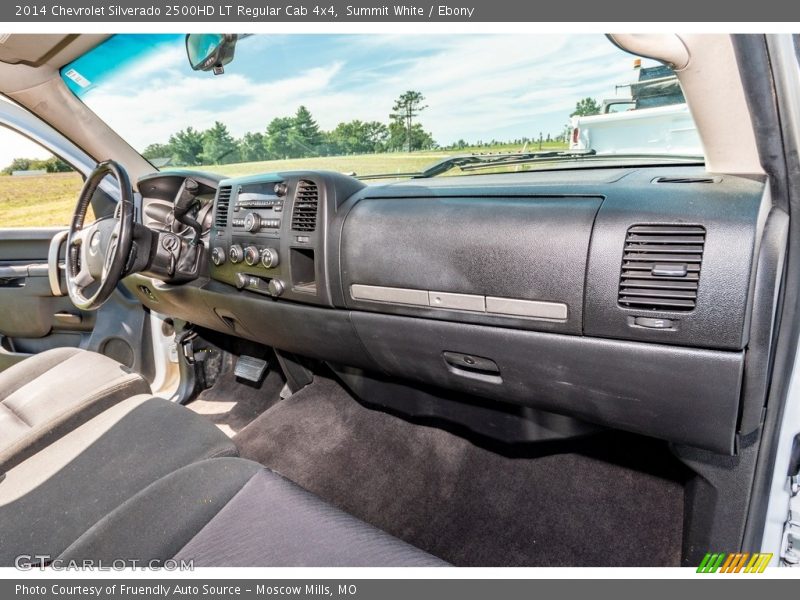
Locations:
column 250, row 368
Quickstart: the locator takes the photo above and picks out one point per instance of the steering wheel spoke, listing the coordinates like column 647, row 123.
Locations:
column 84, row 278
column 109, row 256
column 79, row 237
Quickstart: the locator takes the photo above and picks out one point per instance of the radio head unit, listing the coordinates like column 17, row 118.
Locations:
column 258, row 208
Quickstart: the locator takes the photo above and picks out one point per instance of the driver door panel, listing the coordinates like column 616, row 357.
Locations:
column 33, row 318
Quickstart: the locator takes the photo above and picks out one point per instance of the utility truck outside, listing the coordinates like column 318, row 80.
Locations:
column 653, row 119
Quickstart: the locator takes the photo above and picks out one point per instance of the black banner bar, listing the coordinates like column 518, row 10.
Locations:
column 238, row 11
column 396, row 589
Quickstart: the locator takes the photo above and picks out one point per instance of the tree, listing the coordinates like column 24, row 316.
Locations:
column 158, row 151
column 277, row 141
column 54, row 165
column 187, row 146
column 407, row 108
column 415, row 139
column 377, row 135
column 219, row 147
column 50, row 165
column 358, row 137
column 18, row 164
column 586, row 107
column 305, row 136
column 252, row 147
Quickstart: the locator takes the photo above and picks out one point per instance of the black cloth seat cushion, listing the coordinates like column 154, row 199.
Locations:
column 52, row 498
column 236, row 513
column 51, row 393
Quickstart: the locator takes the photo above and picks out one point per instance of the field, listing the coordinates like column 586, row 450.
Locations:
column 366, row 164
column 50, row 199
column 38, row 200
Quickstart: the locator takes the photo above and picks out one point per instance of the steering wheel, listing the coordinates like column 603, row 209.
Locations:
column 97, row 254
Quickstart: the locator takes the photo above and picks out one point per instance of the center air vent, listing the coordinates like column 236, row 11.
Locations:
column 304, row 213
column 223, row 201
column 661, row 267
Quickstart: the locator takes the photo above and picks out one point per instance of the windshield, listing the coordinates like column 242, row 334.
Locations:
column 382, row 104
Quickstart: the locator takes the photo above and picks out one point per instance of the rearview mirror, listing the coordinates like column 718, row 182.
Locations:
column 210, row 51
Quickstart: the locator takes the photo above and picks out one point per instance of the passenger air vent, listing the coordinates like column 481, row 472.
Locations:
column 223, row 202
column 687, row 180
column 661, row 267
column 304, row 212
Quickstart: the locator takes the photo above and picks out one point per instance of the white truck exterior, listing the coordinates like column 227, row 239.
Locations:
column 657, row 119
column 639, row 131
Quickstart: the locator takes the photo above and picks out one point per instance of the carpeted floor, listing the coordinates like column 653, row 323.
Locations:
column 616, row 501
column 231, row 404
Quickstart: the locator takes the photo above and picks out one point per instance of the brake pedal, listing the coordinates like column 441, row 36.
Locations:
column 250, row 369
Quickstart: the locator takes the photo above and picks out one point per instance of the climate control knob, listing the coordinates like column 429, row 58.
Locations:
column 252, row 222
column 275, row 287
column 218, row 256
column 251, row 255
column 270, row 258
column 235, row 253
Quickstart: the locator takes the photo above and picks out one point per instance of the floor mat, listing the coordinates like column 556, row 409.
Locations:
column 231, row 404
column 469, row 505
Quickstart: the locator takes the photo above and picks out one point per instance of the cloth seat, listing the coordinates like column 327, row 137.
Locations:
column 51, row 393
column 232, row 512
column 49, row 500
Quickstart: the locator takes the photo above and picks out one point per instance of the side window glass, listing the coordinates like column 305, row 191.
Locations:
column 37, row 189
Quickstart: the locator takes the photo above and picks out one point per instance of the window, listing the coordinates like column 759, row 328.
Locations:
column 382, row 104
column 37, row 189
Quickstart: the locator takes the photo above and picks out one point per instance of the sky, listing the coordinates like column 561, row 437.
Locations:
column 476, row 87
column 13, row 145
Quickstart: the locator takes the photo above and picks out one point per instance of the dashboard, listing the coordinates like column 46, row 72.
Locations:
column 634, row 298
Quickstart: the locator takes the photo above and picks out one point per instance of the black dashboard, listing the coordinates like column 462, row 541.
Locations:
column 628, row 297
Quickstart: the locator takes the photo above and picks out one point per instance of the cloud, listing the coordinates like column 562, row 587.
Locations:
column 476, row 86
column 175, row 101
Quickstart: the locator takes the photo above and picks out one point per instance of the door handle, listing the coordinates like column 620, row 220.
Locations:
column 13, row 276
column 13, row 271
column 67, row 319
column 473, row 367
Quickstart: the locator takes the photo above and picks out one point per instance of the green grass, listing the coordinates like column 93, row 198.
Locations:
column 46, row 200
column 38, row 201
column 365, row 164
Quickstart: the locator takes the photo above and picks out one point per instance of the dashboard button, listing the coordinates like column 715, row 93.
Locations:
column 276, row 287
column 235, row 253
column 251, row 255
column 270, row 258
column 252, row 222
column 653, row 323
column 218, row 256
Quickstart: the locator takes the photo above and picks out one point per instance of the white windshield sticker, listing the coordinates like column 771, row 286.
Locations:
column 78, row 78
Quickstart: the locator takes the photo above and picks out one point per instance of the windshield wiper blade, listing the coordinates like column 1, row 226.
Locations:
column 649, row 158
column 482, row 161
column 478, row 161
column 385, row 175
column 474, row 162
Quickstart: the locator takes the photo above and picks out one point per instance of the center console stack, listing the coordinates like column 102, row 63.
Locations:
column 268, row 234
